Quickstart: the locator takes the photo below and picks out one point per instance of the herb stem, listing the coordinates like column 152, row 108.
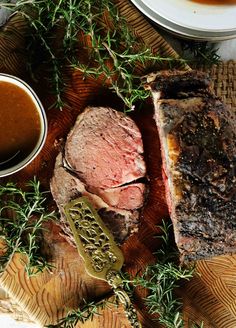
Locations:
column 21, row 232
column 113, row 43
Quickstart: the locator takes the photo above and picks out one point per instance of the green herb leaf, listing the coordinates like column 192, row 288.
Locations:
column 110, row 37
column 86, row 312
column 200, row 53
column 22, row 214
column 161, row 280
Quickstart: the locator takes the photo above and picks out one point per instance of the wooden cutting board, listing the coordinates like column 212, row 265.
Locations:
column 47, row 297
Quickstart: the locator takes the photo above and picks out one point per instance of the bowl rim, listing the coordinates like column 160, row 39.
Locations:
column 197, row 12
column 182, row 31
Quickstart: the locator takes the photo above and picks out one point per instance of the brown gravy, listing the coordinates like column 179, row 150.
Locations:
column 19, row 124
column 216, row 2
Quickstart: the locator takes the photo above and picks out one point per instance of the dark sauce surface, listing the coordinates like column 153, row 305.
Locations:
column 19, row 125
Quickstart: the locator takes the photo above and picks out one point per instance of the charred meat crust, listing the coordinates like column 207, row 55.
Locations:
column 207, row 211
column 178, row 84
column 203, row 131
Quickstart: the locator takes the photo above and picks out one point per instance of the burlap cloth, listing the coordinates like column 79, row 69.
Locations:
column 224, row 79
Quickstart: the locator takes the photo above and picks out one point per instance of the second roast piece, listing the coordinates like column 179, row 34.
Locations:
column 198, row 143
column 103, row 160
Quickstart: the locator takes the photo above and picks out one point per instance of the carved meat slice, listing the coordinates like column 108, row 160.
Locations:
column 66, row 186
column 103, row 161
column 198, row 143
column 105, row 150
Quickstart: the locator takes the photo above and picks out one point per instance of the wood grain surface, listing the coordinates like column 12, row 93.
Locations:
column 46, row 297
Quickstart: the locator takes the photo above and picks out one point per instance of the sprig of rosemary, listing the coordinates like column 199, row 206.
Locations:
column 117, row 43
column 112, row 42
column 161, row 280
column 86, row 312
column 22, row 214
column 200, row 53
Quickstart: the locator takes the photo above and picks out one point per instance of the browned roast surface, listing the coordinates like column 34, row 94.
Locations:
column 102, row 161
column 177, row 84
column 198, row 141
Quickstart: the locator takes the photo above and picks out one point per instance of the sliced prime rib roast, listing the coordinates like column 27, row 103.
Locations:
column 103, row 161
column 198, row 144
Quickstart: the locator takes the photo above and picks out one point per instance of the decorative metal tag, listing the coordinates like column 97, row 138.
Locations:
column 94, row 241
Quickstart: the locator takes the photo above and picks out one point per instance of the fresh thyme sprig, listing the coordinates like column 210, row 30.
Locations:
column 22, row 214
column 110, row 37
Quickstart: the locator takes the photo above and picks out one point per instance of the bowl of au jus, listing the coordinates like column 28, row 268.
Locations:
column 23, row 125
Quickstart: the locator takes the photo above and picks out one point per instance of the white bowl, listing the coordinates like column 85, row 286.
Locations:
column 43, row 124
column 190, row 19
